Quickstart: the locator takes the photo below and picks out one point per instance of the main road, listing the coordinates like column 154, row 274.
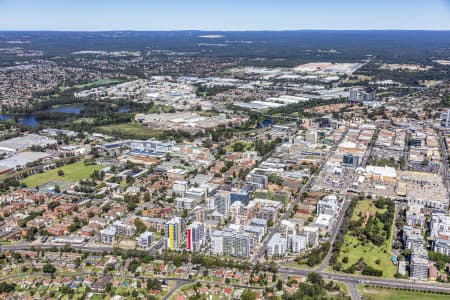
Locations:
column 375, row 281
column 349, row 279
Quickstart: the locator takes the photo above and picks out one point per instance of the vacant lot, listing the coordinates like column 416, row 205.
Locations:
column 72, row 173
column 391, row 294
column 130, row 130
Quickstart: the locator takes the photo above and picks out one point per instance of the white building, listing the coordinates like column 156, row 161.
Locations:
column 328, row 205
column 299, row 243
column 108, row 235
column 146, row 239
column 440, row 224
column 180, row 186
column 276, row 247
column 312, row 235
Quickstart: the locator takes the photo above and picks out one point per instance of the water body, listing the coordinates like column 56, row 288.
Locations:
column 32, row 122
column 68, row 109
column 76, row 109
column 265, row 123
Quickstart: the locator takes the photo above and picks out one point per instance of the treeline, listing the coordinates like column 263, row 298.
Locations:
column 314, row 288
column 208, row 91
column 438, row 72
column 315, row 256
column 364, row 268
column 370, row 229
column 339, row 241
column 441, row 259
column 302, row 106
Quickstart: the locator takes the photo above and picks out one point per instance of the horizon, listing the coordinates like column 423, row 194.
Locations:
column 243, row 30
column 231, row 15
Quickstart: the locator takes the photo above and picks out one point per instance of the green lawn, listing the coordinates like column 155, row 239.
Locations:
column 130, row 130
column 353, row 249
column 72, row 173
column 391, row 294
column 246, row 146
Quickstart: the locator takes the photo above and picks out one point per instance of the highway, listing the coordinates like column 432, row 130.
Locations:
column 375, row 281
column 349, row 279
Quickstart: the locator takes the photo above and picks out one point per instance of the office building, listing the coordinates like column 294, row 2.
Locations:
column 222, row 202
column 259, row 180
column 195, row 236
column 328, row 205
column 350, row 160
column 311, row 136
column 198, row 194
column 230, row 242
column 180, row 187
column 174, row 233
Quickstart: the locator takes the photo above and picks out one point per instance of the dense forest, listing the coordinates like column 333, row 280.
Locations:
column 289, row 47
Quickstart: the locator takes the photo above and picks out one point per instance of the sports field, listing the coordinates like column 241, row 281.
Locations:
column 392, row 294
column 72, row 173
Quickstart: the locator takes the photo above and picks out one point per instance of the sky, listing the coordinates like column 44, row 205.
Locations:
column 99, row 15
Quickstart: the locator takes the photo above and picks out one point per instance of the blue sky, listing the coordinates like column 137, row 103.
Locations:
column 223, row 14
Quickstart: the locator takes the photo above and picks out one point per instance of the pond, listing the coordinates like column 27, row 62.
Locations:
column 30, row 120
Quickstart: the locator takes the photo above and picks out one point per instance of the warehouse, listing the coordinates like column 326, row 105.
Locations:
column 24, row 142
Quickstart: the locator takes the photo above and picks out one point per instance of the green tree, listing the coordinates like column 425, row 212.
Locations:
column 140, row 226
column 48, row 268
column 248, row 295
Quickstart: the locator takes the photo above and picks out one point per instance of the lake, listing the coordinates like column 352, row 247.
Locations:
column 32, row 122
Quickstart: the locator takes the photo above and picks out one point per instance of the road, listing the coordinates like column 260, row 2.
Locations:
column 180, row 282
column 177, row 286
column 375, row 281
column 353, row 291
column 368, row 152
column 334, row 233
column 349, row 279
column 26, row 246
column 444, row 164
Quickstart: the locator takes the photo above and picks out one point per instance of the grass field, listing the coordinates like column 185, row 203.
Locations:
column 391, row 294
column 72, row 173
column 365, row 207
column 353, row 249
column 93, row 84
column 130, row 130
